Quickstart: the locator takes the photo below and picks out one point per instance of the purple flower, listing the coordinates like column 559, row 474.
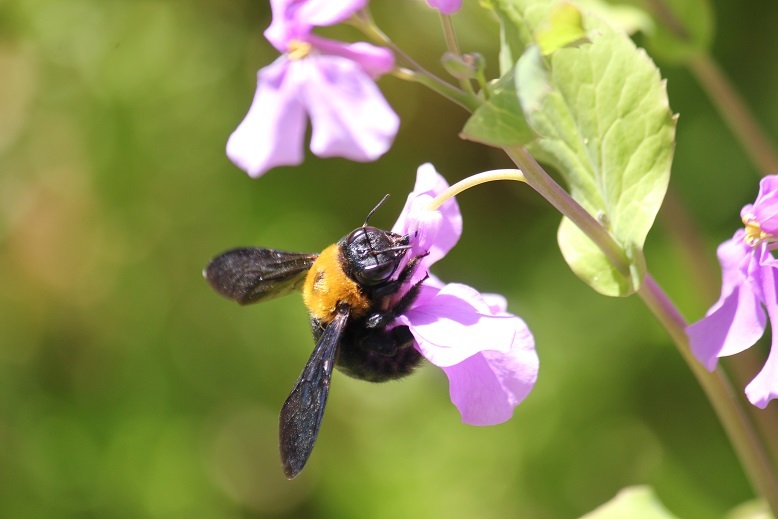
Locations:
column 487, row 354
column 330, row 82
column 749, row 287
column 445, row 6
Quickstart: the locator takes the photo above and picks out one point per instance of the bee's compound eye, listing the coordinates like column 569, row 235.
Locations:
column 373, row 255
column 375, row 273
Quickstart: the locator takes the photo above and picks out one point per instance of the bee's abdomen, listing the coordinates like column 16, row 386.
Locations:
column 378, row 355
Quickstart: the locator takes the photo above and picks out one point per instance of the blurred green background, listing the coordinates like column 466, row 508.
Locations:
column 128, row 389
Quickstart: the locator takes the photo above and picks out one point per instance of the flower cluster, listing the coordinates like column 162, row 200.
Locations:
column 487, row 354
column 749, row 287
column 331, row 82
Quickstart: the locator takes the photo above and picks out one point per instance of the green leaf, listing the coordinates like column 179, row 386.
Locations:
column 564, row 28
column 682, row 29
column 756, row 509
column 518, row 18
column 602, row 116
column 500, row 120
column 627, row 18
column 634, row 503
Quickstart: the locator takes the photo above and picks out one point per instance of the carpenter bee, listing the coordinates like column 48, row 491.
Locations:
column 353, row 291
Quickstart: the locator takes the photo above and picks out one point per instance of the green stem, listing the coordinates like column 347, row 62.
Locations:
column 467, row 101
column 464, row 98
column 564, row 203
column 735, row 112
column 745, row 441
column 451, row 44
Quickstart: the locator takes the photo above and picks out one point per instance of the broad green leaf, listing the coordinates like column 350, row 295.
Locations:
column 603, row 121
column 564, row 28
column 500, row 120
column 682, row 29
column 756, row 509
column 518, row 18
column 627, row 18
column 632, row 503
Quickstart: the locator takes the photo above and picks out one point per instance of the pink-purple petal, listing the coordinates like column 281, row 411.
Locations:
column 456, row 324
column 272, row 132
column 430, row 183
column 349, row 115
column 376, row 61
column 737, row 320
column 319, row 13
column 765, row 209
column 294, row 19
column 486, row 387
column 734, row 326
column 445, row 6
column 764, row 273
column 764, row 387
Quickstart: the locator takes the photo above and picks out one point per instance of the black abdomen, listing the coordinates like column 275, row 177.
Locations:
column 375, row 355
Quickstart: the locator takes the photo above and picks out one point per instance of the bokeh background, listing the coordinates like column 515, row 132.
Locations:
column 128, row 389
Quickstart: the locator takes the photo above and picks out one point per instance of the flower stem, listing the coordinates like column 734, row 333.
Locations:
column 467, row 101
column 451, row 43
column 464, row 98
column 747, row 444
column 735, row 112
column 480, row 178
column 565, row 204
column 716, row 386
column 745, row 441
column 723, row 95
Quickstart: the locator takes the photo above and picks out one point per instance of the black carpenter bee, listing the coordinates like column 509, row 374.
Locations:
column 352, row 295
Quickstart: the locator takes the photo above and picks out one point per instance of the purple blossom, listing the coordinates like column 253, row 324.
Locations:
column 445, row 6
column 749, row 287
column 487, row 354
column 330, row 82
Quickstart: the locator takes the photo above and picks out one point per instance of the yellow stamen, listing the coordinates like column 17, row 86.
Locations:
column 298, row 49
column 754, row 233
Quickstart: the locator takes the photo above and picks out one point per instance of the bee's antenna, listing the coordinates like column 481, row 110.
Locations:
column 375, row 209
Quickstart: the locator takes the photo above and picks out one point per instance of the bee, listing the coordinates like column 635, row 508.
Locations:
column 353, row 291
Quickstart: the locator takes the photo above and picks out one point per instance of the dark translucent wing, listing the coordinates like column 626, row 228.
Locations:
column 250, row 275
column 304, row 409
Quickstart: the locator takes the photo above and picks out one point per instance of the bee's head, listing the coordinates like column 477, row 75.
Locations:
column 371, row 256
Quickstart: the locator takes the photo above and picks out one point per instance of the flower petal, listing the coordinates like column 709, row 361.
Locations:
column 489, row 385
column 294, row 19
column 376, row 61
column 320, row 13
column 765, row 208
column 733, row 327
column 430, row 183
column 737, row 320
column 349, row 115
column 764, row 387
column 272, row 132
column 445, row 6
column 455, row 323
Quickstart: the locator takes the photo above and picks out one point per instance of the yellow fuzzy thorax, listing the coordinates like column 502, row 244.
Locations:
column 327, row 285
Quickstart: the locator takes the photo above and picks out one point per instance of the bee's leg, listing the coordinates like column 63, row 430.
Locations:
column 392, row 287
column 382, row 319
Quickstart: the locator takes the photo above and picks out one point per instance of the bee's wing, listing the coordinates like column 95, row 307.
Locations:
column 303, row 411
column 250, row 275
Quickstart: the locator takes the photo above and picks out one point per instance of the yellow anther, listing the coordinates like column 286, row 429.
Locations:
column 298, row 49
column 754, row 233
